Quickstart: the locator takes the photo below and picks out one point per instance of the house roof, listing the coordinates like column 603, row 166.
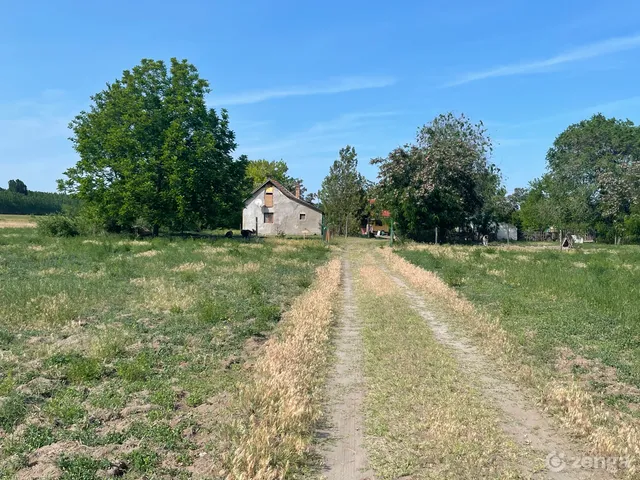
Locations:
column 286, row 192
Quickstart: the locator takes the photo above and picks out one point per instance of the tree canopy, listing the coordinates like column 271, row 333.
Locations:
column 18, row 186
column 592, row 181
column 443, row 180
column 343, row 193
column 152, row 152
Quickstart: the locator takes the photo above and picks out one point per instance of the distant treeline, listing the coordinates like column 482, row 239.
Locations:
column 34, row 203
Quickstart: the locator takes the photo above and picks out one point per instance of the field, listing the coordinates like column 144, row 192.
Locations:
column 125, row 356
column 571, row 312
column 16, row 221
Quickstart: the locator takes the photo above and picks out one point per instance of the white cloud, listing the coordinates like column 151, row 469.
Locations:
column 321, row 137
column 586, row 52
column 337, row 85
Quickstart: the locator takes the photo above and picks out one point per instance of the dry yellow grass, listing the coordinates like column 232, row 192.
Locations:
column 283, row 402
column 16, row 221
column 189, row 267
column 51, row 271
column 148, row 253
column 249, row 267
column 162, row 295
column 607, row 432
column 134, row 242
column 51, row 310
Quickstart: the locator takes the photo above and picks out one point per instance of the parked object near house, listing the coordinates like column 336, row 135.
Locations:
column 274, row 210
column 507, row 231
column 246, row 234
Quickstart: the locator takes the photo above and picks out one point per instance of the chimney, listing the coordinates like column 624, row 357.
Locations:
column 297, row 189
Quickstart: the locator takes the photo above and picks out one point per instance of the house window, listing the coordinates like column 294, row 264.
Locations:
column 303, row 216
column 268, row 197
column 268, row 218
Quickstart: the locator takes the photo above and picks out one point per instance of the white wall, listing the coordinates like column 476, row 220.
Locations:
column 501, row 234
column 286, row 215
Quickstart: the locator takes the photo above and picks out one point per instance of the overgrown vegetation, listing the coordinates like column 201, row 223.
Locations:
column 564, row 322
column 123, row 354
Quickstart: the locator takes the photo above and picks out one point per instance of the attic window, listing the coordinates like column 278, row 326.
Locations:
column 303, row 216
column 268, row 218
column 268, row 197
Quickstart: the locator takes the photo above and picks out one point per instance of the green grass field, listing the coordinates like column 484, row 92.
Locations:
column 123, row 352
column 574, row 312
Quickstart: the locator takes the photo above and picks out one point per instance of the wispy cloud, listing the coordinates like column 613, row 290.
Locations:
column 585, row 52
column 336, row 85
column 607, row 108
column 321, row 137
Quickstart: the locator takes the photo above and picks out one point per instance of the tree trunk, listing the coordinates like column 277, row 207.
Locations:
column 156, row 229
column 346, row 227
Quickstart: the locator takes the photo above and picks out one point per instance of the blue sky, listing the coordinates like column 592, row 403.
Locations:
column 303, row 79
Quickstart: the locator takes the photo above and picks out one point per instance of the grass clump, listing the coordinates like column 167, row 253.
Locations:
column 81, row 467
column 13, row 409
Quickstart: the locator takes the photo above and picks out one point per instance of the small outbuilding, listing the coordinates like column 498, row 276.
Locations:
column 273, row 210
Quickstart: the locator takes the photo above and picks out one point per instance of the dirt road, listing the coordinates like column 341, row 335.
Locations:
column 412, row 398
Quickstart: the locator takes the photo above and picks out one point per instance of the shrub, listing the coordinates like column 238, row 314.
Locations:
column 57, row 226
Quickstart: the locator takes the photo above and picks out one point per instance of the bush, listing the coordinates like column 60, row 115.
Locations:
column 57, row 226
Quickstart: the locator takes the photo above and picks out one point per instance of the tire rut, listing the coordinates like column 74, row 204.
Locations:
column 344, row 454
column 522, row 421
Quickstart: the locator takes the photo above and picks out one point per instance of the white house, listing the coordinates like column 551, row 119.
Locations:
column 272, row 209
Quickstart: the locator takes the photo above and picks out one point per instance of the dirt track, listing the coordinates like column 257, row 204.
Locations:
column 520, row 419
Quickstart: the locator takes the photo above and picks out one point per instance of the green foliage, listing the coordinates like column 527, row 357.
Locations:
column 593, row 180
column 76, row 367
column 35, row 203
column 105, row 313
column 151, row 149
column 142, row 460
column 13, row 409
column 18, row 186
column 57, row 225
column 65, row 407
column 80, row 467
column 343, row 194
column 444, row 180
column 136, row 369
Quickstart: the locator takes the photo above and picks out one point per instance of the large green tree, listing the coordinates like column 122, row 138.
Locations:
column 151, row 150
column 443, row 180
column 594, row 174
column 343, row 193
column 18, row 186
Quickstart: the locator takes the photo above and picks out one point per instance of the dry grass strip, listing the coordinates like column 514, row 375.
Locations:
column 283, row 402
column 16, row 224
column 607, row 432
